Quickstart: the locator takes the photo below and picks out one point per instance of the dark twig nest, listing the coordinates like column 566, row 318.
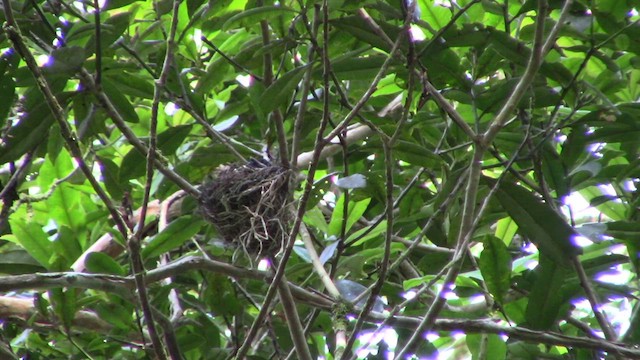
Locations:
column 247, row 204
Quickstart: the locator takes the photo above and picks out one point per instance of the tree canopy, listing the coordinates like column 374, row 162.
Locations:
column 319, row 179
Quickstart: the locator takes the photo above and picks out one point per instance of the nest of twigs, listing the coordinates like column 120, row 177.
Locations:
column 247, row 205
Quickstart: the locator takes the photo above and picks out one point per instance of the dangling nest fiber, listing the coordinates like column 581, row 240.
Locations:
column 247, row 204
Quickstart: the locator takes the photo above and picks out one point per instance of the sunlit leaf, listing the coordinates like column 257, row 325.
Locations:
column 539, row 222
column 495, row 266
column 173, row 236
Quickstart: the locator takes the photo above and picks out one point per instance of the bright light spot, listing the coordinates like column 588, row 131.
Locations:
column 581, row 241
column 170, row 109
column 561, row 138
column 619, row 249
column 457, row 335
column 450, row 295
column 417, row 35
column 432, row 336
column 409, row 295
column 44, row 60
column 329, row 197
column 579, row 206
column 615, row 275
column 531, row 264
column 263, row 265
column 244, row 80
column 629, row 185
column 530, row 248
column 595, row 149
column 371, row 157
column 608, row 189
column 372, row 338
column 197, row 37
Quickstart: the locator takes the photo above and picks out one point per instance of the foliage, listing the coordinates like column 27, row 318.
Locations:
column 472, row 163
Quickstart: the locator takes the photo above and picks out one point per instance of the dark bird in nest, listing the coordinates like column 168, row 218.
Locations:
column 246, row 202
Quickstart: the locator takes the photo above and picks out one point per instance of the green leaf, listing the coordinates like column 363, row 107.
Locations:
column 110, row 30
column 33, row 127
column 134, row 163
column 102, row 263
column 539, row 222
column 68, row 59
column 281, row 90
column 436, row 15
column 65, row 305
column 491, row 346
column 32, row 238
column 65, row 207
column 255, row 15
column 365, row 234
column 131, row 84
column 15, row 262
column 120, row 101
column 7, row 92
column 355, row 210
column 545, row 299
column 495, row 267
column 506, row 229
column 174, row 235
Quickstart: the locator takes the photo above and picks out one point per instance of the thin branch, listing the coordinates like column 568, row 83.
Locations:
column 304, row 94
column 98, row 40
column 276, row 115
column 119, row 121
column 469, row 208
column 13, row 33
column 24, row 308
column 317, row 265
column 293, row 320
column 605, row 326
column 229, row 59
column 319, row 145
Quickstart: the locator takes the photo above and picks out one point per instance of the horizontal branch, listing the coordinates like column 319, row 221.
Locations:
column 520, row 333
column 19, row 307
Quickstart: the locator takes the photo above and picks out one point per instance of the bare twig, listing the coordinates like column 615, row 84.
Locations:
column 469, row 209
column 276, row 115
column 13, row 32
column 11, row 307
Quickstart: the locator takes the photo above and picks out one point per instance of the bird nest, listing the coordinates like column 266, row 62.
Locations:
column 247, row 205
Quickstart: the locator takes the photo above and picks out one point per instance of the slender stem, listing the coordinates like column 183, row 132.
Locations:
column 469, row 208
column 13, row 33
column 608, row 332
column 98, row 39
column 317, row 265
column 268, row 80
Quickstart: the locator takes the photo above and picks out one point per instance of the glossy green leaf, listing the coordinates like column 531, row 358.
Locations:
column 175, row 234
column 134, row 163
column 32, row 239
column 15, row 262
column 255, row 15
column 539, row 222
column 103, row 264
column 120, row 101
column 280, row 91
column 7, row 91
column 545, row 299
column 495, row 267
column 355, row 210
column 492, row 346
